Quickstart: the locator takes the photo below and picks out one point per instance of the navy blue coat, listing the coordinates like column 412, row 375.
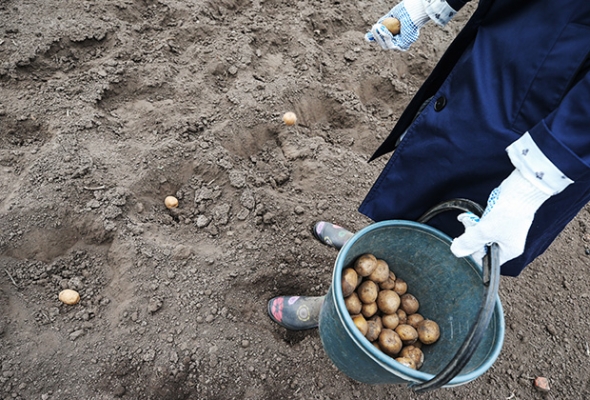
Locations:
column 517, row 66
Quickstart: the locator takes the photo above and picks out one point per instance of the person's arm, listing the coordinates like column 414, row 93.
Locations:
column 413, row 15
column 552, row 155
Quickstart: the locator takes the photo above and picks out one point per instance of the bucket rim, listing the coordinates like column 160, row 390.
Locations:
column 378, row 356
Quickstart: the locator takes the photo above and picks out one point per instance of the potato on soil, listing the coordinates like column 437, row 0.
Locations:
column 413, row 353
column 409, row 303
column 381, row 272
column 349, row 281
column 414, row 319
column 401, row 287
column 353, row 304
column 408, row 362
column 388, row 301
column 389, row 282
column 428, row 331
column 367, row 292
column 390, row 321
column 365, row 264
column 390, row 342
column 373, row 330
column 361, row 323
column 407, row 334
column 368, row 310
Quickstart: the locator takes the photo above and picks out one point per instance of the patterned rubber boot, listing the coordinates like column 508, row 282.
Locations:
column 296, row 313
column 330, row 234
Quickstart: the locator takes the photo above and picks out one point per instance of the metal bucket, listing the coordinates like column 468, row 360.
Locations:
column 455, row 292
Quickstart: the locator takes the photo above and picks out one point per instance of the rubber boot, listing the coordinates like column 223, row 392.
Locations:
column 296, row 313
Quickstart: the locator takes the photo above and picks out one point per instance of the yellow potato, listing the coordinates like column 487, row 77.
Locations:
column 388, row 301
column 380, row 273
column 353, row 304
column 368, row 291
column 365, row 264
column 69, row 296
column 349, row 281
column 428, row 331
column 409, row 303
column 392, row 24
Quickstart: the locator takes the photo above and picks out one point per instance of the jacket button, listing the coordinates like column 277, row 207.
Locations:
column 440, row 103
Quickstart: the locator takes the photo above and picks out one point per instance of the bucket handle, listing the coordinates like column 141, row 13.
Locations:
column 491, row 283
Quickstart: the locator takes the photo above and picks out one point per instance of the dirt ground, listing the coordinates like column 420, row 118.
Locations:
column 109, row 106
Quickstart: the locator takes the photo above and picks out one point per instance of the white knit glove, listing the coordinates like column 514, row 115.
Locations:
column 512, row 206
column 506, row 220
column 412, row 16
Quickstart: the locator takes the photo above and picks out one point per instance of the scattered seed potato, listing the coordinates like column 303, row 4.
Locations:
column 171, row 202
column 353, row 304
column 69, row 296
column 388, row 301
column 368, row 291
column 428, row 331
column 381, row 273
column 349, row 281
column 365, row 264
column 409, row 303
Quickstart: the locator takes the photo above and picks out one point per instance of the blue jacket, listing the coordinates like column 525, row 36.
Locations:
column 517, row 66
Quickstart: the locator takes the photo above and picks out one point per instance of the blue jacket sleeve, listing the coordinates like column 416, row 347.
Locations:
column 564, row 135
column 457, row 4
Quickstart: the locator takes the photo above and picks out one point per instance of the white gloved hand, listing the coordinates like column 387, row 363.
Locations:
column 411, row 15
column 506, row 220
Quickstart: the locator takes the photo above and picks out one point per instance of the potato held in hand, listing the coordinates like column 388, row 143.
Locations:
column 392, row 24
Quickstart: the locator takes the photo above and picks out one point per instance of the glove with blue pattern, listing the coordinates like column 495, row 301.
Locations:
column 412, row 16
column 506, row 220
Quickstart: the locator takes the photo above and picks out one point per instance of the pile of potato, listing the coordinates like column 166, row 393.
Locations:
column 385, row 313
